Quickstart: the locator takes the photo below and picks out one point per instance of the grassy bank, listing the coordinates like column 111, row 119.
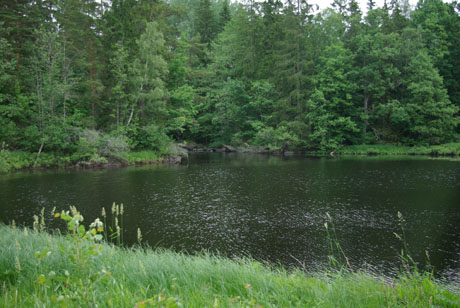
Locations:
column 448, row 149
column 17, row 160
column 42, row 270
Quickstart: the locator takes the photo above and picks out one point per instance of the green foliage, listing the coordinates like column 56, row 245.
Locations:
column 179, row 71
column 329, row 130
column 224, row 15
column 148, row 71
column 279, row 138
column 229, row 117
column 292, row 58
column 6, row 67
column 432, row 114
column 206, row 22
column 81, row 272
column 96, row 147
column 182, row 111
column 113, row 146
column 449, row 149
column 121, row 88
column 331, row 116
column 152, row 137
column 271, row 73
column 4, row 159
column 15, row 160
column 146, row 156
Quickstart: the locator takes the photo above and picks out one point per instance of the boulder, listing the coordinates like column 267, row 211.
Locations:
column 188, row 147
column 173, row 159
column 229, row 148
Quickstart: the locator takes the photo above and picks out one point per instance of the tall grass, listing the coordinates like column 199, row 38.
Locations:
column 16, row 160
column 145, row 156
column 38, row 269
column 450, row 149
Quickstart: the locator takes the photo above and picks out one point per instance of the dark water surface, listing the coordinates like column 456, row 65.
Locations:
column 272, row 208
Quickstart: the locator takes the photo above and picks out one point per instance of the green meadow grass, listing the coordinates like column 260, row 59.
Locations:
column 145, row 156
column 42, row 270
column 388, row 149
column 16, row 160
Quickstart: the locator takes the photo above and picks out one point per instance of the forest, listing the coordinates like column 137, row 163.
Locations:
column 87, row 80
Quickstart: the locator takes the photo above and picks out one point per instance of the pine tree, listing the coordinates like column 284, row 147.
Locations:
column 20, row 18
column 77, row 21
column 206, row 22
column 294, row 66
column 121, row 86
column 370, row 5
column 272, row 34
column 440, row 23
column 224, row 15
column 9, row 112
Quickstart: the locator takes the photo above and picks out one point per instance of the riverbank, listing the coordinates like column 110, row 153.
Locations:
column 447, row 149
column 38, row 269
column 19, row 160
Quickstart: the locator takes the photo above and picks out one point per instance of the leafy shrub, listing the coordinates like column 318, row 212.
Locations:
column 113, row 146
column 153, row 137
column 87, row 145
column 4, row 157
column 81, row 273
column 94, row 146
column 279, row 138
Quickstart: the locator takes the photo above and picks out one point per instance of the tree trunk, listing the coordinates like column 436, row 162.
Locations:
column 39, row 151
column 118, row 114
column 366, row 110
column 252, row 41
column 298, row 73
column 18, row 44
column 90, row 51
column 65, row 72
column 130, row 116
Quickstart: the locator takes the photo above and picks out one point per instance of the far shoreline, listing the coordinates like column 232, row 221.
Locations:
column 25, row 161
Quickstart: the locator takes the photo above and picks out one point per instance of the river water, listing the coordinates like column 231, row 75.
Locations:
column 272, row 208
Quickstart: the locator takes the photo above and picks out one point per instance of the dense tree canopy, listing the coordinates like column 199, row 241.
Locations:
column 279, row 74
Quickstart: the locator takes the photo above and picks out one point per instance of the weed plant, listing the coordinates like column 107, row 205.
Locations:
column 336, row 257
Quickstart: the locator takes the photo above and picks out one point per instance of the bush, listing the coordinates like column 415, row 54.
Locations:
column 154, row 138
column 279, row 138
column 94, row 146
column 4, row 158
column 113, row 146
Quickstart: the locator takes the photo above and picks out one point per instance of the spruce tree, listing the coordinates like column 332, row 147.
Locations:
column 206, row 22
